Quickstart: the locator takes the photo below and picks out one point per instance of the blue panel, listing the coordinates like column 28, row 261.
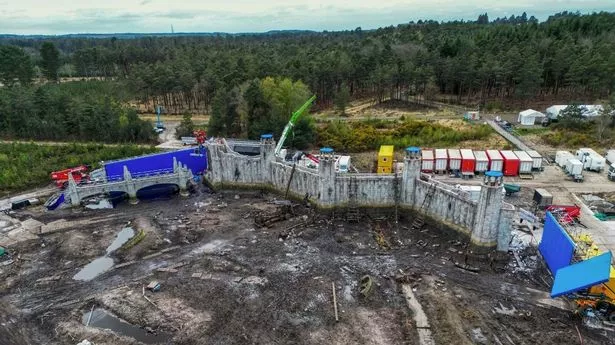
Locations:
column 555, row 246
column 195, row 158
column 582, row 275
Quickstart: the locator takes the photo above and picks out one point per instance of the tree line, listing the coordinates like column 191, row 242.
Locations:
column 84, row 111
column 482, row 62
column 258, row 107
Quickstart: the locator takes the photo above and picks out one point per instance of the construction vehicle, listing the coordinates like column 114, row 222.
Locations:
column 159, row 128
column 79, row 173
column 291, row 123
column 593, row 301
column 597, row 300
column 565, row 214
column 200, row 136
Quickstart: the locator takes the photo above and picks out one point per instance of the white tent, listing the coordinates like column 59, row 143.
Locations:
column 592, row 110
column 554, row 110
column 528, row 117
column 587, row 110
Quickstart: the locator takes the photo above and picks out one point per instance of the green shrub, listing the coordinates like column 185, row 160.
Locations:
column 370, row 134
column 29, row 165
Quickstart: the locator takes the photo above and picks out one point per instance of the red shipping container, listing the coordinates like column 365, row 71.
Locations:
column 468, row 162
column 511, row 163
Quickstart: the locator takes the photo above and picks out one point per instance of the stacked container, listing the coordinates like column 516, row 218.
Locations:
column 525, row 162
column 454, row 159
column 561, row 157
column 468, row 162
column 482, row 161
column 496, row 162
column 427, row 161
column 441, row 160
column 537, row 160
column 511, row 163
column 385, row 159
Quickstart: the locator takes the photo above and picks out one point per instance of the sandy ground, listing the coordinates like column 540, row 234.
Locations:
column 227, row 281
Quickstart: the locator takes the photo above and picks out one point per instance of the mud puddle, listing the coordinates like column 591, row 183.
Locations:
column 100, row 318
column 104, row 263
column 121, row 238
column 94, row 269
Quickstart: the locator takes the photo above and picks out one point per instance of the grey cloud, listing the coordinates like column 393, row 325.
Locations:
column 145, row 2
column 326, row 17
column 177, row 14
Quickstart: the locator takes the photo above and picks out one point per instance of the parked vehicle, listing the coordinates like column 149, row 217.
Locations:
column 562, row 157
column 611, row 172
column 591, row 160
column 574, row 166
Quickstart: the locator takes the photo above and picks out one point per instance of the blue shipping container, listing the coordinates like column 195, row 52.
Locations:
column 195, row 158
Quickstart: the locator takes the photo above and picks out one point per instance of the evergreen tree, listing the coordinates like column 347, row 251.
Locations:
column 50, row 61
column 185, row 128
column 15, row 66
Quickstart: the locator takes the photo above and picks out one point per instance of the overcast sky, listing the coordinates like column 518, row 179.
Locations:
column 114, row 16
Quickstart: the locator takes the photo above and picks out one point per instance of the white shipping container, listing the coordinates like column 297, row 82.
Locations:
column 454, row 159
column 537, row 158
column 472, row 192
column 610, row 156
column 482, row 161
column 441, row 160
column 427, row 162
column 496, row 162
column 584, row 151
column 562, row 157
column 591, row 159
column 525, row 162
column 594, row 163
column 574, row 167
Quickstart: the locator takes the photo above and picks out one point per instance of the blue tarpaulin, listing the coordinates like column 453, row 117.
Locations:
column 582, row 275
column 556, row 246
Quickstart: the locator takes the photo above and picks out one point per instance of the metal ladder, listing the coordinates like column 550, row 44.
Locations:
column 352, row 212
column 419, row 221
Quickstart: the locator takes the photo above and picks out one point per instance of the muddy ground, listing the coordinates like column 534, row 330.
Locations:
column 225, row 280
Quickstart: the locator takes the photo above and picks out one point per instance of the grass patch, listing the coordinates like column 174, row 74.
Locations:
column 531, row 130
column 25, row 166
column 368, row 135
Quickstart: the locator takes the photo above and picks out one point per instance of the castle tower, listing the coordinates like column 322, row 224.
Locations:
column 487, row 216
column 412, row 171
column 326, row 172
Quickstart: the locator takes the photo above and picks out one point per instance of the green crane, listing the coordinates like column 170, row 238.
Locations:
column 291, row 124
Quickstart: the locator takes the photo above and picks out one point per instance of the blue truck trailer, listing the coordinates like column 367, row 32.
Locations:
column 195, row 158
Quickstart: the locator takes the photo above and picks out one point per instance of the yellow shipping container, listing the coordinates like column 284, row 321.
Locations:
column 385, row 157
column 384, row 170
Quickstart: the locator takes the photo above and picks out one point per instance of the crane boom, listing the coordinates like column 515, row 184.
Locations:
column 291, row 124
